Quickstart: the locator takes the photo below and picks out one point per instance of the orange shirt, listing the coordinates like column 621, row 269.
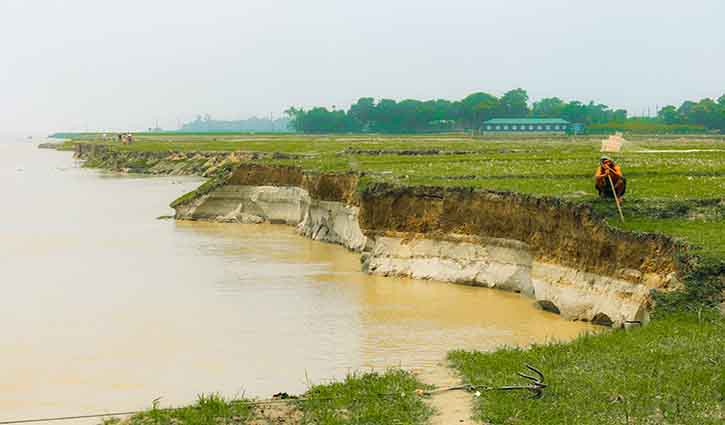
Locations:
column 615, row 172
column 601, row 176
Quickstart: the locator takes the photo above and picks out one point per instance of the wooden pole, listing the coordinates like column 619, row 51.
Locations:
column 616, row 198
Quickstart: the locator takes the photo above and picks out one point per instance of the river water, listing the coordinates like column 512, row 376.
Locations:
column 105, row 308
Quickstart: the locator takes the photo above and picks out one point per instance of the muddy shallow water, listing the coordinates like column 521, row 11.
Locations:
column 105, row 308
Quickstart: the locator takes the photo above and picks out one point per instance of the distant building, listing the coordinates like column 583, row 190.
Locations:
column 529, row 125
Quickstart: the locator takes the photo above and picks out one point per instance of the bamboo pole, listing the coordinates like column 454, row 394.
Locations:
column 616, row 198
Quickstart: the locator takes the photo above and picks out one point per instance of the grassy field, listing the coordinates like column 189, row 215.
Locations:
column 669, row 372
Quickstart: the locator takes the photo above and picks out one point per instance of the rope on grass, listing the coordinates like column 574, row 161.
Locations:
column 536, row 387
column 282, row 400
column 67, row 418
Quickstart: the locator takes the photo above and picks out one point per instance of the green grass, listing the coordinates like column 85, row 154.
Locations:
column 669, row 372
column 208, row 410
column 706, row 237
column 701, row 222
column 548, row 169
column 368, row 398
column 360, row 399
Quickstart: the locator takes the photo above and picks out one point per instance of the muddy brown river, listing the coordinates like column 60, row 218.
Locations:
column 105, row 308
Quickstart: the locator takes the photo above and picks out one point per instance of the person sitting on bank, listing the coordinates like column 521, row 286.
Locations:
column 609, row 169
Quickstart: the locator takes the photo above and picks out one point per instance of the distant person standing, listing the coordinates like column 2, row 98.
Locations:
column 610, row 174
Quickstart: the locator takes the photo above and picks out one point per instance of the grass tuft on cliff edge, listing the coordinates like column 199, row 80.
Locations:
column 217, row 180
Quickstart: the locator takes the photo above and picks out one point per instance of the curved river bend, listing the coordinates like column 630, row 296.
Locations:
column 105, row 308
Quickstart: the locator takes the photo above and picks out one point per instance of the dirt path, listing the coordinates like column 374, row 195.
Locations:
column 276, row 414
column 452, row 407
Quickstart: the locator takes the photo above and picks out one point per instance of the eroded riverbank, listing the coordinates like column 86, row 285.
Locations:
column 560, row 254
column 112, row 308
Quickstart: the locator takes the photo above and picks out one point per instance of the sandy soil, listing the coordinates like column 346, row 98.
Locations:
column 452, row 407
column 276, row 414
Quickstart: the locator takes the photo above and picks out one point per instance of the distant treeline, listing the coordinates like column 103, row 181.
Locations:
column 707, row 113
column 205, row 124
column 415, row 116
column 690, row 117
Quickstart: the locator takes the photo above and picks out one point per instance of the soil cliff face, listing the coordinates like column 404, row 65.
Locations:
column 568, row 260
column 554, row 231
column 324, row 187
column 322, row 206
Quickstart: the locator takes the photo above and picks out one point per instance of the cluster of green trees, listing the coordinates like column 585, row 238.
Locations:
column 416, row 116
column 707, row 112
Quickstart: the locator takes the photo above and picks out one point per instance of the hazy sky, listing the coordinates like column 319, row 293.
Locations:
column 72, row 64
